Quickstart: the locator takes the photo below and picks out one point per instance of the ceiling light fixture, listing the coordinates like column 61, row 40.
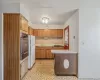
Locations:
column 45, row 20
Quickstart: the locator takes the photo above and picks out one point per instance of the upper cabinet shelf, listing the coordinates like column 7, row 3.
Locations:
column 53, row 33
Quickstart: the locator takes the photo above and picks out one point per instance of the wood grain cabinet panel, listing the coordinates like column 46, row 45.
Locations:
column 13, row 24
column 41, row 33
column 35, row 32
column 49, row 55
column 59, row 32
column 53, row 32
column 11, row 39
column 48, row 33
column 24, row 24
column 30, row 31
column 40, row 53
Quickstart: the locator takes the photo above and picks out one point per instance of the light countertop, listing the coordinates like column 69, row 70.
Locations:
column 63, row 52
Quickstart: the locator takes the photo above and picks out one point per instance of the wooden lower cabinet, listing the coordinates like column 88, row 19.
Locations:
column 49, row 55
column 40, row 53
column 45, row 52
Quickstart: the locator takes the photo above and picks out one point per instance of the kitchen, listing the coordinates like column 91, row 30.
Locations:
column 84, row 38
column 30, row 48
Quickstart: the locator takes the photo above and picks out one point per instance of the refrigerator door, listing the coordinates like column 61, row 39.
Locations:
column 31, row 59
column 29, row 52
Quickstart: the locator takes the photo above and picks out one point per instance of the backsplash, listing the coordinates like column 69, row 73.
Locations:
column 49, row 42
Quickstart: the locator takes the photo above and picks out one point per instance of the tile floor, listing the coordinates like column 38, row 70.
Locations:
column 44, row 70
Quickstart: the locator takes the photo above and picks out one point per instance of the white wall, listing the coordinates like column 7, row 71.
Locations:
column 9, row 7
column 24, row 12
column 73, row 23
column 89, row 43
column 89, row 39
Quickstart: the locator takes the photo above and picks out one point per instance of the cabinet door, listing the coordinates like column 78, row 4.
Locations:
column 41, row 33
column 24, row 68
column 40, row 53
column 60, row 33
column 49, row 54
column 53, row 32
column 24, row 24
column 35, row 32
column 30, row 31
column 47, row 33
column 26, row 65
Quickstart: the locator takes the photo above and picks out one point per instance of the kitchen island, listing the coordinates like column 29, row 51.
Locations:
column 66, row 62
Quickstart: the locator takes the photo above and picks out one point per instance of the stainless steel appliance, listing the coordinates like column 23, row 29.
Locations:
column 23, row 45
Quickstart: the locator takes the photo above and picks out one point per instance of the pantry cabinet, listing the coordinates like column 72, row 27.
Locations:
column 13, row 23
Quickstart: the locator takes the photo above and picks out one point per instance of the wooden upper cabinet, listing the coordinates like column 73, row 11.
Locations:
column 30, row 31
column 24, row 24
column 48, row 32
column 41, row 33
column 36, row 32
column 59, row 32
column 53, row 32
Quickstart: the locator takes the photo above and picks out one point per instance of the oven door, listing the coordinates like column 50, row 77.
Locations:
column 24, row 45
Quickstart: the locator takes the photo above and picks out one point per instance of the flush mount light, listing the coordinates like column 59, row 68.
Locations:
column 45, row 20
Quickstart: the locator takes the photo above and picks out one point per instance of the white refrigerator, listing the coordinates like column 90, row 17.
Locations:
column 31, row 56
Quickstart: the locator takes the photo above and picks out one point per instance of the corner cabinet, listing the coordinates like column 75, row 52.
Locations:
column 13, row 23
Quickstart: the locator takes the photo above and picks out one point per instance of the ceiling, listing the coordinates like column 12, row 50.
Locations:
column 58, row 11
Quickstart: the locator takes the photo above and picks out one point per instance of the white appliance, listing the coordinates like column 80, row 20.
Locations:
column 31, row 56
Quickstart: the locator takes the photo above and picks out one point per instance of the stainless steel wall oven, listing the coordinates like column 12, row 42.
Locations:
column 23, row 45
